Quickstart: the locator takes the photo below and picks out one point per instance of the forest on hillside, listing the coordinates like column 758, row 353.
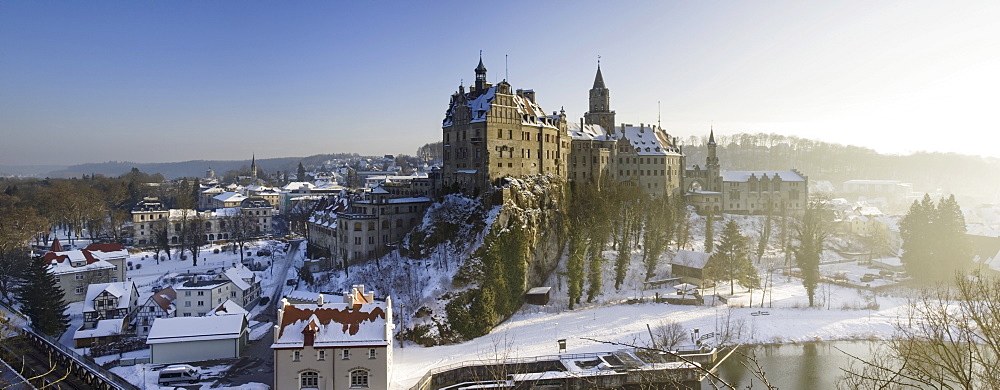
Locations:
column 970, row 178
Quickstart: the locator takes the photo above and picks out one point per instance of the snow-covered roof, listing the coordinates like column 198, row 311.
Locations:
column 298, row 185
column 239, row 275
column 589, row 132
column 93, row 257
column 201, row 285
column 649, row 141
column 122, row 290
column 691, row 258
column 303, row 296
column 333, row 324
column 228, row 308
column 742, row 176
column 229, row 197
column 104, row 328
column 183, row 329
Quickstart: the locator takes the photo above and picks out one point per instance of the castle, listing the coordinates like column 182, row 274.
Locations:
column 491, row 132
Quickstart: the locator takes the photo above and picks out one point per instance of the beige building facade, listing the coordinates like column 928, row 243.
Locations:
column 334, row 345
column 492, row 132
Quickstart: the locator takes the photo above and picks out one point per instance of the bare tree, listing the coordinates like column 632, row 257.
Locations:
column 950, row 338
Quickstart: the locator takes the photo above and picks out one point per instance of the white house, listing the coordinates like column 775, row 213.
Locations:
column 194, row 339
column 335, row 345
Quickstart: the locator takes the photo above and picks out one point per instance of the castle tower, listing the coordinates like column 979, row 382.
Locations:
column 712, row 164
column 600, row 104
column 481, row 83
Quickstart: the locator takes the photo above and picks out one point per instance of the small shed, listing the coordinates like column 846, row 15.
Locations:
column 538, row 295
column 689, row 266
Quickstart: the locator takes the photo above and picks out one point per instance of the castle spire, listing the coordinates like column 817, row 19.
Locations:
column 599, row 80
column 480, row 75
column 711, row 136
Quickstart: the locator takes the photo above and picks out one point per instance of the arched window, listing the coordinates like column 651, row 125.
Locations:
column 385, row 224
column 371, row 226
column 208, row 225
column 357, row 226
column 309, row 380
column 359, row 378
column 399, row 223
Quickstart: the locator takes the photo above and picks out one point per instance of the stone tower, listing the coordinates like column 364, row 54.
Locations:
column 600, row 105
column 712, row 165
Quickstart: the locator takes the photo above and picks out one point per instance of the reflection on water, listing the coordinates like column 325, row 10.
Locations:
column 814, row 365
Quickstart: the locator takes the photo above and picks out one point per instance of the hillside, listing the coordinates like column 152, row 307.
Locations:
column 193, row 168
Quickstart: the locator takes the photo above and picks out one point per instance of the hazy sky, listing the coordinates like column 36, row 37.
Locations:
column 153, row 81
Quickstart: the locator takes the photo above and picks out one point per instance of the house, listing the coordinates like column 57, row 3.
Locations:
column 373, row 226
column 106, row 302
column 689, row 266
column 159, row 305
column 196, row 297
column 246, row 285
column 96, row 263
column 338, row 345
column 194, row 339
column 227, row 199
column 150, row 218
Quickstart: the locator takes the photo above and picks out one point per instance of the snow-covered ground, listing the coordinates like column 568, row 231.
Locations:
column 534, row 330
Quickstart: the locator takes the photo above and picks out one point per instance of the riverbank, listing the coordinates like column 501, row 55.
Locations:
column 846, row 314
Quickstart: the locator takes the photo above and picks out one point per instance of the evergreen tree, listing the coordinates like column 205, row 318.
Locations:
column 731, row 259
column 300, row 174
column 812, row 233
column 659, row 227
column 595, row 270
column 934, row 241
column 42, row 300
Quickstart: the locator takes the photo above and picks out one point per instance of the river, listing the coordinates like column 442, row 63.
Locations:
column 812, row 365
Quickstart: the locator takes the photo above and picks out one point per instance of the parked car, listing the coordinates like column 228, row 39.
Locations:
column 178, row 373
column 264, row 300
column 869, row 278
column 291, row 282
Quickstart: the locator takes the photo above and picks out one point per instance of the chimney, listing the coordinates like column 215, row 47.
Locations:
column 319, row 300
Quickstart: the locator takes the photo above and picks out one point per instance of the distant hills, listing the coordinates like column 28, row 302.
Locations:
column 169, row 170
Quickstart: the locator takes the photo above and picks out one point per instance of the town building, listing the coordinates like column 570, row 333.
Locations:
column 711, row 190
column 158, row 305
column 108, row 311
column 374, row 226
column 492, row 132
column 150, row 216
column 76, row 269
column 334, row 345
column 196, row 297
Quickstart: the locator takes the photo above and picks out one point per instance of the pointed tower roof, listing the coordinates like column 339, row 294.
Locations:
column 599, row 80
column 481, row 68
column 56, row 247
column 711, row 137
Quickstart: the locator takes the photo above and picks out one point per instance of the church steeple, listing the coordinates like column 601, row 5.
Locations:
column 253, row 168
column 712, row 163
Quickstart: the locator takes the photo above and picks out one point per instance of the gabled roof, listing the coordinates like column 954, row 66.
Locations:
column 228, row 308
column 334, row 324
column 124, row 291
column 239, row 275
column 183, row 329
column 691, row 259
column 230, row 197
column 165, row 298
